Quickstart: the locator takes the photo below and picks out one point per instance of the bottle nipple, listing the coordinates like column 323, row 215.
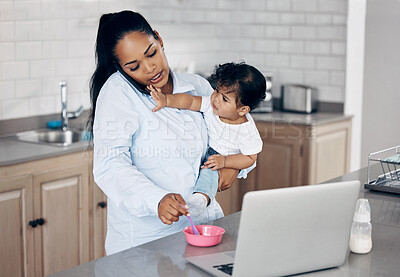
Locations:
column 363, row 211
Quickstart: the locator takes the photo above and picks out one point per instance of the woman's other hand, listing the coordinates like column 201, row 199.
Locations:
column 226, row 178
column 171, row 207
column 158, row 97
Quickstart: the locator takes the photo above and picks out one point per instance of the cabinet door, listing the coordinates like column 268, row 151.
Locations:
column 279, row 164
column 99, row 223
column 16, row 236
column 61, row 199
column 331, row 156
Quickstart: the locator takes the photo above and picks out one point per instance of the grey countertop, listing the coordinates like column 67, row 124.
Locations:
column 300, row 118
column 14, row 152
column 165, row 257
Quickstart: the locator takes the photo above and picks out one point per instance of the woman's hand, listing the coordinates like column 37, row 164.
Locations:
column 171, row 207
column 226, row 178
column 158, row 97
column 215, row 162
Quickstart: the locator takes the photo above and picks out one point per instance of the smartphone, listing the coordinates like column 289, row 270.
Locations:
column 140, row 87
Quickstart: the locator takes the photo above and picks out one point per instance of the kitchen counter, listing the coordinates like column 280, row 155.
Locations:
column 165, row 257
column 299, row 118
column 14, row 152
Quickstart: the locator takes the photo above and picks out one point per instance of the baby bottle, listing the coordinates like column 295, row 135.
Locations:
column 360, row 238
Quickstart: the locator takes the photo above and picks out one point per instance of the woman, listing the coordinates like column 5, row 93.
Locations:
column 146, row 163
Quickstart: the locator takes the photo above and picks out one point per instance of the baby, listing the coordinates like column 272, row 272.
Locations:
column 234, row 141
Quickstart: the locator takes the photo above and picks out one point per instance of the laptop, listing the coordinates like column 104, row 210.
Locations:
column 288, row 231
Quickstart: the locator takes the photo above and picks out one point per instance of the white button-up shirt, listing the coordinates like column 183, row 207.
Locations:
column 140, row 156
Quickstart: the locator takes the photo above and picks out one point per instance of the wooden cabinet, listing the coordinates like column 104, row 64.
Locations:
column 294, row 155
column 61, row 202
column 52, row 222
column 16, row 236
column 328, row 152
column 99, row 220
column 280, row 162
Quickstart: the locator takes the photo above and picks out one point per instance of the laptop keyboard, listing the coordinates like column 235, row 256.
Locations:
column 226, row 268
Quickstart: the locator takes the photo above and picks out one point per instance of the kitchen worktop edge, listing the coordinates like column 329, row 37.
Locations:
column 17, row 152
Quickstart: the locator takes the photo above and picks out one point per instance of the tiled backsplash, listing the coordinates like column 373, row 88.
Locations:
column 45, row 41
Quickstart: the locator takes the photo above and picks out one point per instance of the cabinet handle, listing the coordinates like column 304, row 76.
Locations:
column 102, row 204
column 33, row 223
column 40, row 221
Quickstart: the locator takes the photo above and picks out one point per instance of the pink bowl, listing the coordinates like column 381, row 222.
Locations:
column 209, row 235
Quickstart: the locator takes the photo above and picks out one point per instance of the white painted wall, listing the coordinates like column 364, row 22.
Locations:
column 355, row 75
column 381, row 101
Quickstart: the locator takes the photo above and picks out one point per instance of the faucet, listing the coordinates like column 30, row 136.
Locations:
column 65, row 115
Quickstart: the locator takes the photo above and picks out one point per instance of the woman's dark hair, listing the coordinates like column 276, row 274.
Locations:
column 247, row 81
column 112, row 28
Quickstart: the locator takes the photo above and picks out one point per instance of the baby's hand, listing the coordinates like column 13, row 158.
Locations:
column 158, row 97
column 215, row 162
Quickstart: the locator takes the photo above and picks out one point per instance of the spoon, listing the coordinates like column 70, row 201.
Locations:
column 194, row 229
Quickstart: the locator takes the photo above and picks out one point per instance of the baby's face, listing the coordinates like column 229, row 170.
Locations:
column 223, row 103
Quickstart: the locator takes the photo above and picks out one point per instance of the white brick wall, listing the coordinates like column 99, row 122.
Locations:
column 291, row 46
column 317, row 47
column 6, row 10
column 277, row 32
column 7, row 31
column 303, row 32
column 18, row 107
column 7, row 51
column 14, row 70
column 43, row 105
column 264, row 17
column 318, row 19
column 28, row 88
column 278, row 5
column 302, row 62
column 43, row 42
column 305, row 5
column 7, row 89
column 317, row 77
column 28, row 50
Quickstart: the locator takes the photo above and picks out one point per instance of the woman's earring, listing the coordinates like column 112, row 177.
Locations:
column 162, row 47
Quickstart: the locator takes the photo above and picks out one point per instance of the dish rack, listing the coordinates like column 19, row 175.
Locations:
column 389, row 180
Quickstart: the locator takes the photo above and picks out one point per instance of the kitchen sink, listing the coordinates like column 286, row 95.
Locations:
column 54, row 137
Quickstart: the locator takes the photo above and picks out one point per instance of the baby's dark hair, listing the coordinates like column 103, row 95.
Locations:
column 247, row 81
